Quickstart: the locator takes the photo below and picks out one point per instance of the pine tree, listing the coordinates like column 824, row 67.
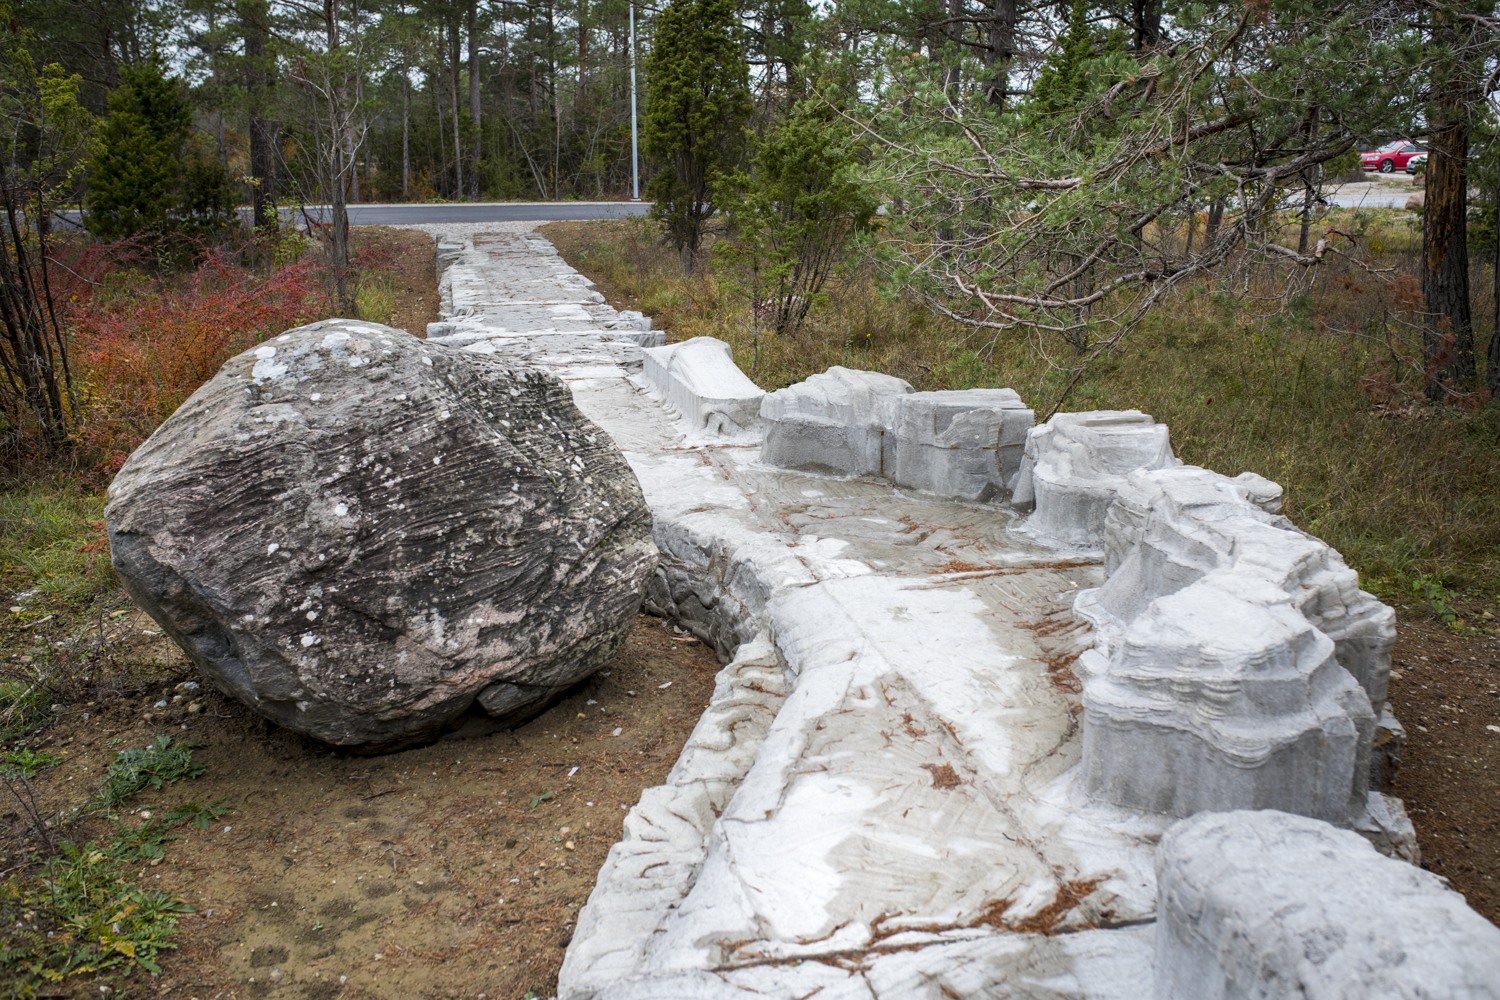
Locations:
column 148, row 175
column 801, row 209
column 135, row 176
column 696, row 109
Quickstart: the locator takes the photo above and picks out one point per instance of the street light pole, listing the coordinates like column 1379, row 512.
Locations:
column 635, row 156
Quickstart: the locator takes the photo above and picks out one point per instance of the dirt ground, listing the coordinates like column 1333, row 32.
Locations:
column 454, row 870
column 411, row 259
column 1445, row 689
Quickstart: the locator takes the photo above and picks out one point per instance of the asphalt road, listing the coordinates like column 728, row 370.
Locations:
column 1371, row 195
column 539, row 211
column 510, row 211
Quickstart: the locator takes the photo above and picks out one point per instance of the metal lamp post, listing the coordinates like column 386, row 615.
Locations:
column 635, row 156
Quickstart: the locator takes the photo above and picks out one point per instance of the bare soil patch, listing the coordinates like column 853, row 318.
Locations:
column 1445, row 689
column 453, row 870
column 410, row 256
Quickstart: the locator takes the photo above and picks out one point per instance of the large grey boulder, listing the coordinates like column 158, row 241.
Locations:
column 362, row 536
column 1263, row 906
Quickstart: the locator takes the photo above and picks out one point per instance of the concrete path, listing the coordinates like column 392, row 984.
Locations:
column 881, row 801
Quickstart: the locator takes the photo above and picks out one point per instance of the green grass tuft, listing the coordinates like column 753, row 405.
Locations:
column 52, row 549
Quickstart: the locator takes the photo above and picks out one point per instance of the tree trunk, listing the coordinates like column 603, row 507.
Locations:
column 1448, row 328
column 1215, row 216
column 1146, row 21
column 405, row 135
column 349, row 153
column 458, row 149
column 476, row 139
column 1492, row 372
column 338, row 164
column 435, row 84
column 1000, row 51
column 254, row 25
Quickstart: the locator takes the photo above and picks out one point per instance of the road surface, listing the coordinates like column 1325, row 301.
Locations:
column 421, row 214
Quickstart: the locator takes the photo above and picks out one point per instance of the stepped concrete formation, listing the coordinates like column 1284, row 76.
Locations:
column 924, row 773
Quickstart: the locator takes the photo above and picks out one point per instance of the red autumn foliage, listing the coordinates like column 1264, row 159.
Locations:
column 139, row 351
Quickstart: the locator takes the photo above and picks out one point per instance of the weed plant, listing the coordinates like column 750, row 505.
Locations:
column 152, row 766
column 82, row 912
column 1316, row 385
column 375, row 297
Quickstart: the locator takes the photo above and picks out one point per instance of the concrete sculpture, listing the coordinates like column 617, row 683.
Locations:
column 964, row 444
column 1075, row 463
column 1263, row 906
column 700, row 380
column 837, row 423
column 889, row 795
column 1211, row 603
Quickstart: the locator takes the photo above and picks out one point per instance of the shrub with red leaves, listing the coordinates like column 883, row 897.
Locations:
column 142, row 346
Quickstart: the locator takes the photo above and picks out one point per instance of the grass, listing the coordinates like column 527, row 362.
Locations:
column 375, row 297
column 54, row 572
column 81, row 911
column 1316, row 387
column 52, row 548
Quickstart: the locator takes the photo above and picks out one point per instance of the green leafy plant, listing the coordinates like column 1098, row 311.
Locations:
column 24, row 706
column 538, row 799
column 153, row 766
column 1438, row 598
column 25, row 762
column 83, row 916
column 149, row 839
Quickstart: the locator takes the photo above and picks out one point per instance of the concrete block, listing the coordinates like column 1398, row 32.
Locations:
column 1074, row 464
column 835, row 422
column 965, row 444
column 1264, row 906
column 1170, row 527
column 700, row 380
column 1222, row 696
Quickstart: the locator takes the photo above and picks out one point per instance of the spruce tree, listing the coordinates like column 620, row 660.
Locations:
column 696, row 109
column 135, row 176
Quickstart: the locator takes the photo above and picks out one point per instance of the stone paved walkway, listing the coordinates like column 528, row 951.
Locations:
column 881, row 801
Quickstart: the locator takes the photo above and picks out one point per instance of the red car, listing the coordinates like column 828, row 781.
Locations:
column 1391, row 157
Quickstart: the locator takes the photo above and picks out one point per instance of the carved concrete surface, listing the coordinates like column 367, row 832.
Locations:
column 883, row 798
column 1075, row 463
column 888, row 795
column 965, row 444
column 1237, row 663
column 1263, row 905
